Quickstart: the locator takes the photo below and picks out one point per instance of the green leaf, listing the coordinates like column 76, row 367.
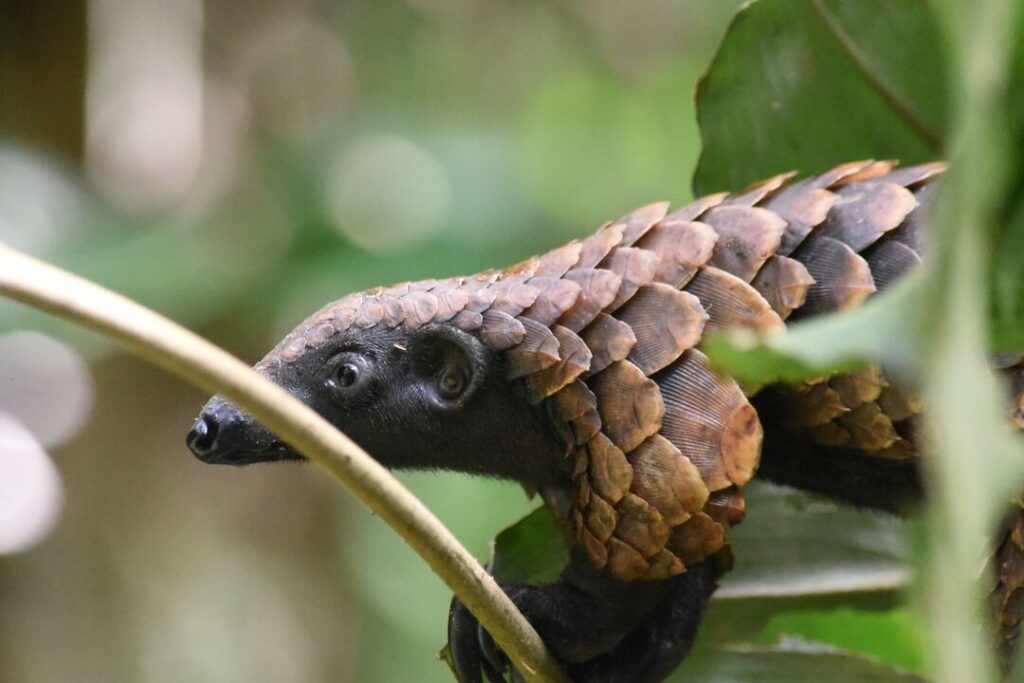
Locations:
column 882, row 330
column 531, row 551
column 803, row 84
column 794, row 546
column 1007, row 265
column 891, row 636
column 791, row 660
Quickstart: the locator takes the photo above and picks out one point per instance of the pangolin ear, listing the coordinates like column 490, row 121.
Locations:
column 450, row 364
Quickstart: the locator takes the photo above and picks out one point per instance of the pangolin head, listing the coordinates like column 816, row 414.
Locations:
column 575, row 373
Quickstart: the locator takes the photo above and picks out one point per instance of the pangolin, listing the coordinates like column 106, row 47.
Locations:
column 579, row 373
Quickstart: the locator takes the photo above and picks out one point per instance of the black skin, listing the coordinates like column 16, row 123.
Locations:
column 437, row 398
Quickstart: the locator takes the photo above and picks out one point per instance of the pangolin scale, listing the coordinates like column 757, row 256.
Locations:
column 604, row 335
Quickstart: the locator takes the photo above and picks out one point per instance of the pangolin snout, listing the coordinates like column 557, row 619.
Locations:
column 222, row 434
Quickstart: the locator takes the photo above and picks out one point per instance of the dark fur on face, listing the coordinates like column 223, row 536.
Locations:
column 434, row 397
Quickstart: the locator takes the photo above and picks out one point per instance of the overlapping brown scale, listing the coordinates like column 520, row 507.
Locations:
column 576, row 403
column 809, row 406
column 872, row 171
column 835, row 177
column 638, row 222
column 663, row 565
column 393, row 311
column 696, row 538
column 866, row 211
column 556, row 296
column 889, row 261
column 682, row 247
column 450, row 303
column 708, row 418
column 340, row 313
column 783, row 282
column 538, row 350
column 757, row 192
column 1007, row 597
column 803, row 206
column 697, row 208
column 475, row 283
column 512, row 295
column 522, row 270
column 593, row 249
column 871, row 429
column 609, row 340
column 635, row 266
column 419, row 308
column 665, row 321
column 468, row 321
column 860, row 386
column 914, row 176
column 601, row 518
column 481, row 298
column 318, row 333
column 912, row 233
column 625, row 562
column 727, row 507
column 556, row 262
column 899, row 403
column 731, row 303
column 595, row 549
column 369, row 313
column 641, row 525
column 747, row 237
column 573, row 361
column 666, row 479
column 575, row 406
column 598, row 288
column 501, row 331
column 842, row 279
column 629, row 403
column 609, row 473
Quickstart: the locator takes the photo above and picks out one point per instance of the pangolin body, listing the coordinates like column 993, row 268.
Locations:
column 604, row 336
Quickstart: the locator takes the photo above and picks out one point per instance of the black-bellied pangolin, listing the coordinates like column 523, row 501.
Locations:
column 579, row 373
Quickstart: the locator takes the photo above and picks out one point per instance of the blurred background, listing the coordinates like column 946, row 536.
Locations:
column 235, row 166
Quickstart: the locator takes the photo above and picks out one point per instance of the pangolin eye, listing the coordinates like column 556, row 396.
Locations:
column 347, row 375
column 452, row 382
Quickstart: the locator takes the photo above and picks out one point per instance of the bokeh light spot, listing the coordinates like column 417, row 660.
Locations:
column 44, row 384
column 31, row 495
column 386, row 192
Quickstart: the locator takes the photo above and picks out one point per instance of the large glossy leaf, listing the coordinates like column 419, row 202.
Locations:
column 792, row 661
column 793, row 545
column 801, row 84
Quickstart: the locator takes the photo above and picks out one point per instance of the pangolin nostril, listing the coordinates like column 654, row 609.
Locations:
column 203, row 436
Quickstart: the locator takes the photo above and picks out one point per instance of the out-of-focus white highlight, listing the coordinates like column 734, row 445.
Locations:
column 40, row 207
column 144, row 99
column 31, row 495
column 386, row 192
column 45, row 385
